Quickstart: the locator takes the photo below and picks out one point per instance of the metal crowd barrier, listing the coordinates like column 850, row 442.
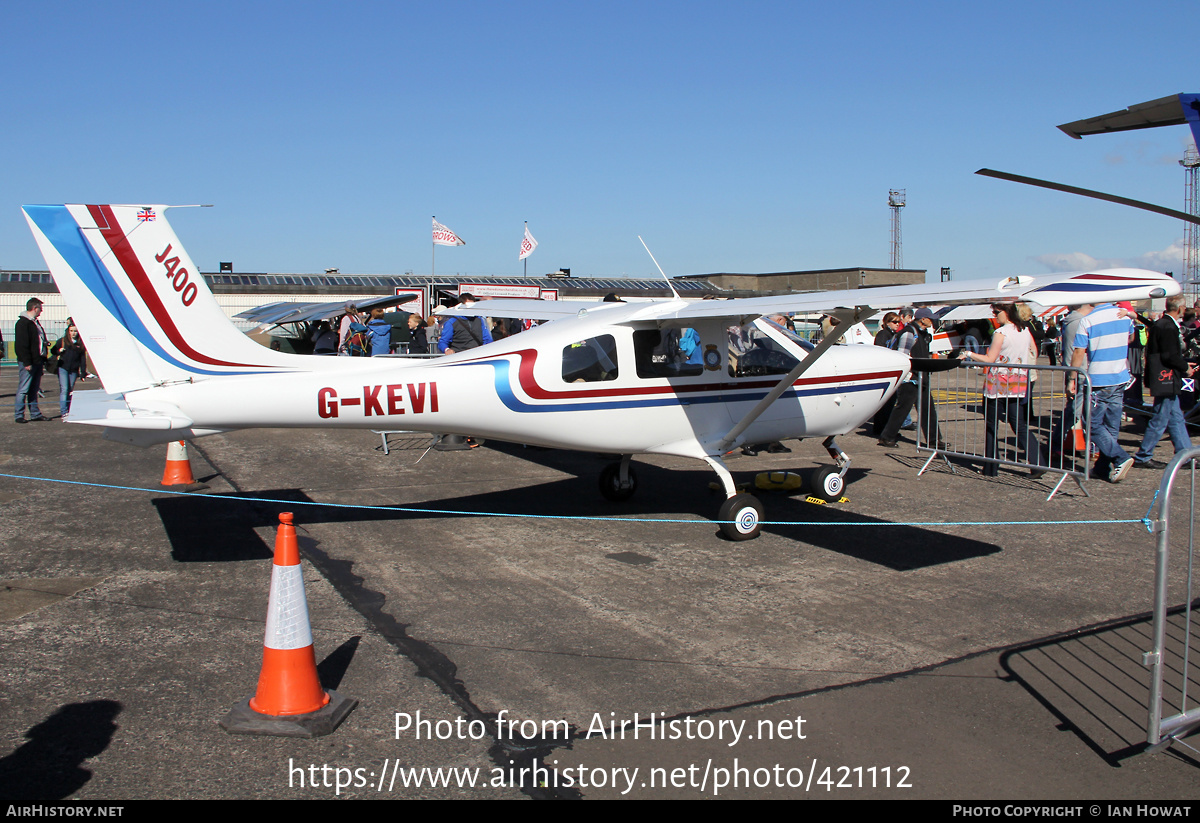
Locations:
column 1046, row 431
column 1170, row 658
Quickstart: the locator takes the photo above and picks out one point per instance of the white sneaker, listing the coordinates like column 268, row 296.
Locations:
column 1117, row 474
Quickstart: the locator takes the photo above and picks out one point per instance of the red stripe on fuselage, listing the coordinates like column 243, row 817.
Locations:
column 110, row 229
column 530, row 385
column 1109, row 277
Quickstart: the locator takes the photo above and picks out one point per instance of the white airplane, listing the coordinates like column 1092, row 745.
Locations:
column 597, row 377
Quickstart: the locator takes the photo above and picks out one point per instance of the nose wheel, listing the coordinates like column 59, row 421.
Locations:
column 740, row 517
column 828, row 483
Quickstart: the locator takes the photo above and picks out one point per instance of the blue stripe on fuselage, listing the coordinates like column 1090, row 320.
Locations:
column 1086, row 287
column 505, row 393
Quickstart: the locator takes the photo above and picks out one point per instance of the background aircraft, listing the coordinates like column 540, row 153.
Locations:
column 1175, row 110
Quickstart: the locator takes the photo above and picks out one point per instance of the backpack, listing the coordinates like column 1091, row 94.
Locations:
column 358, row 343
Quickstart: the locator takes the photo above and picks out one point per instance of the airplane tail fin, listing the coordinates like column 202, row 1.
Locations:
column 142, row 308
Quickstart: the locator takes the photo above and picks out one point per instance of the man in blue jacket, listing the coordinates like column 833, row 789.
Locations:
column 463, row 333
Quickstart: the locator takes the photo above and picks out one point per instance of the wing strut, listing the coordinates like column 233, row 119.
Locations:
column 846, row 318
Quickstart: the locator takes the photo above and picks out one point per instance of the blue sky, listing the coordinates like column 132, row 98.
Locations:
column 732, row 137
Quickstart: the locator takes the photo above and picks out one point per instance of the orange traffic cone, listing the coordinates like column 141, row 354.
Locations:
column 288, row 683
column 179, row 469
column 289, row 700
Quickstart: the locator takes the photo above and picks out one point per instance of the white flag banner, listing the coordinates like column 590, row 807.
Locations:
column 527, row 245
column 442, row 236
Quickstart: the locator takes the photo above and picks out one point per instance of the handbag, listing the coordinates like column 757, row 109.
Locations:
column 1162, row 380
column 50, row 364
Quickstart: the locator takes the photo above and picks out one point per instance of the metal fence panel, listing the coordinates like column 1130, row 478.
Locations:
column 1046, row 430
column 1174, row 707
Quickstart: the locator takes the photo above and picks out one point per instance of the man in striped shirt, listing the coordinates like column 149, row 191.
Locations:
column 1102, row 342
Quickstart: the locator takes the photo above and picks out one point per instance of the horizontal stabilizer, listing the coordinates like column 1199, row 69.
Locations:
column 97, row 408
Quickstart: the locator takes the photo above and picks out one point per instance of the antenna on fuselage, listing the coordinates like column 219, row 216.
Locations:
column 670, row 285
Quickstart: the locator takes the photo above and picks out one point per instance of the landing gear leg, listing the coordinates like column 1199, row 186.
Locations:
column 829, row 482
column 618, row 481
column 740, row 514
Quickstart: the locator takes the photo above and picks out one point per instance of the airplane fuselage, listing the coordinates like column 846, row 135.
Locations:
column 557, row 386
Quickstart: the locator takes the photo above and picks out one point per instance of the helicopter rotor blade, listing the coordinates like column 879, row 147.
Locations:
column 1099, row 195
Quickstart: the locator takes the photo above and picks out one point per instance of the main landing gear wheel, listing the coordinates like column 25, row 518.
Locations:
column 611, row 487
column 828, row 484
column 742, row 513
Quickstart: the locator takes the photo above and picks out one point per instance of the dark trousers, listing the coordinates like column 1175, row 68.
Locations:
column 879, row 421
column 1016, row 413
column 906, row 398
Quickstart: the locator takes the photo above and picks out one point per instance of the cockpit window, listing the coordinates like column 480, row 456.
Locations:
column 667, row 352
column 753, row 353
column 590, row 361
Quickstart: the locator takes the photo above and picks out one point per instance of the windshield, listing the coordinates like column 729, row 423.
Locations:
column 753, row 352
column 790, row 335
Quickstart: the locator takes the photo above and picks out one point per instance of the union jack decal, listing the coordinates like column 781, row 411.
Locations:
column 146, row 215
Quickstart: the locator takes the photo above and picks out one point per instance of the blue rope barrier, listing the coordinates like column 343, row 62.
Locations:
column 607, row 519
column 1146, row 521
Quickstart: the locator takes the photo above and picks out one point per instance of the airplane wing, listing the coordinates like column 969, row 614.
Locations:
column 326, row 311
column 271, row 313
column 268, row 309
column 1174, row 110
column 523, row 308
column 274, row 314
column 1064, row 289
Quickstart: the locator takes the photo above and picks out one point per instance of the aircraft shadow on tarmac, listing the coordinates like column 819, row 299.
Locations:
column 209, row 529
column 50, row 765
column 894, row 546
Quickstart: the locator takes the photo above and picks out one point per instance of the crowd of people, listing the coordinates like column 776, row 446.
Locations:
column 1124, row 353
column 378, row 332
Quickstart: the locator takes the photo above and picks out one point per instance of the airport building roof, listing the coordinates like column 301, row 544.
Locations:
column 275, row 283
column 812, row 280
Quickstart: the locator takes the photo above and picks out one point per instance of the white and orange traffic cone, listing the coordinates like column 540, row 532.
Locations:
column 289, row 700
column 179, row 469
column 288, row 683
